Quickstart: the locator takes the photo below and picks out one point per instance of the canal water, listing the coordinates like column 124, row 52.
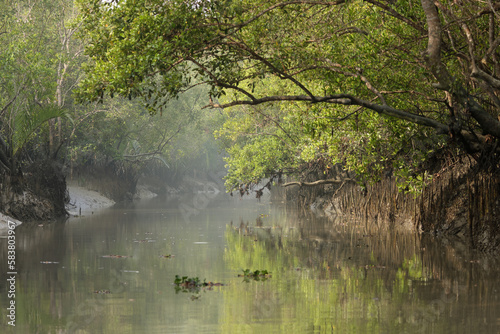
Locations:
column 114, row 272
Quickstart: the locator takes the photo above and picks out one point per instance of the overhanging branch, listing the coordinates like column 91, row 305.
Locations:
column 344, row 99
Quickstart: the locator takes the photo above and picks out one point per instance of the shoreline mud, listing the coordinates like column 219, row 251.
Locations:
column 83, row 200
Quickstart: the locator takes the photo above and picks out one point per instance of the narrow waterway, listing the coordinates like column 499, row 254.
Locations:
column 114, row 272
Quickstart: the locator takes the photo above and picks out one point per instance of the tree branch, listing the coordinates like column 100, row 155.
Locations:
column 277, row 124
column 273, row 68
column 489, row 124
column 344, row 99
column 434, row 45
column 288, row 3
column 316, row 183
column 490, row 80
column 397, row 15
column 4, row 149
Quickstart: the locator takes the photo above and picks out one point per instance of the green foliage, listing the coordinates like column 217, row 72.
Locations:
column 37, row 58
column 254, row 161
column 25, row 123
column 349, row 83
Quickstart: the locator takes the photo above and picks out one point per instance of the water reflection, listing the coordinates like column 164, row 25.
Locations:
column 113, row 273
column 343, row 276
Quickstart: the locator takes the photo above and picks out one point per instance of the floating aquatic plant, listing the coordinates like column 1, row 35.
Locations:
column 256, row 274
column 192, row 284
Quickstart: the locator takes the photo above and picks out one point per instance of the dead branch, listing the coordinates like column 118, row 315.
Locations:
column 317, row 183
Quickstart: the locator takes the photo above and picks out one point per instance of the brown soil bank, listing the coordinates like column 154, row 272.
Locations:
column 39, row 193
column 461, row 201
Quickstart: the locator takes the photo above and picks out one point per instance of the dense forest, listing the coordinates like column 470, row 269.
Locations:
column 405, row 90
column 48, row 138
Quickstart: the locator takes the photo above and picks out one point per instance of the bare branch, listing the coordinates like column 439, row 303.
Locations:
column 317, row 183
column 158, row 151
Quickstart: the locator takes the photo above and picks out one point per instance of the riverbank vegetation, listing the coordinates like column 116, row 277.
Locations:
column 48, row 138
column 405, row 90
column 379, row 87
column 338, row 93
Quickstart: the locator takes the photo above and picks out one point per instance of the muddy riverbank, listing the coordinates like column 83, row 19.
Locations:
column 82, row 200
column 461, row 203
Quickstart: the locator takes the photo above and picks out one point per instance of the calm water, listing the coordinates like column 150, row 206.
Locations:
column 328, row 276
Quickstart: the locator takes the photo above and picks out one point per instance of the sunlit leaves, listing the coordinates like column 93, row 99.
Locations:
column 373, row 53
column 253, row 162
